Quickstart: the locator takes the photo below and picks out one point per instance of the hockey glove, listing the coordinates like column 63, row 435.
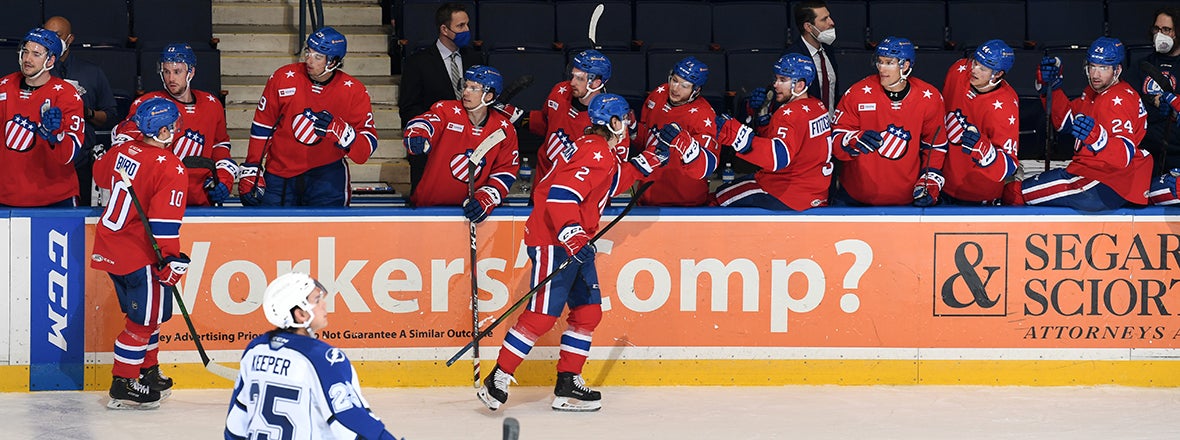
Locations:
column 955, row 122
column 174, row 268
column 216, row 190
column 1048, row 75
column 754, row 104
column 251, row 184
column 417, row 145
column 733, row 133
column 928, row 188
column 866, row 142
column 672, row 136
column 50, row 122
column 341, row 133
column 576, row 243
column 1083, row 129
column 478, row 207
column 982, row 154
column 653, row 157
column 516, row 116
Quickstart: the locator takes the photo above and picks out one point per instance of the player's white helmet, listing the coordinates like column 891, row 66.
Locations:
column 285, row 293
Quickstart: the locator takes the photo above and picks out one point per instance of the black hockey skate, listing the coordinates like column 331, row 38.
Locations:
column 494, row 391
column 132, row 394
column 573, row 394
column 156, row 380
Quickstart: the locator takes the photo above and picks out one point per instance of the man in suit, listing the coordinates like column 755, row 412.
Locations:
column 817, row 32
column 435, row 72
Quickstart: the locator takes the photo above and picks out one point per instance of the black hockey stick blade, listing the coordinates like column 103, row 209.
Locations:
column 1154, row 72
column 204, row 163
column 520, row 302
column 515, row 88
column 511, row 428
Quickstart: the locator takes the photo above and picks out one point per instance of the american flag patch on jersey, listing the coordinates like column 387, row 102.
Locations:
column 21, row 133
column 303, row 127
column 892, row 147
column 191, row 144
column 459, row 167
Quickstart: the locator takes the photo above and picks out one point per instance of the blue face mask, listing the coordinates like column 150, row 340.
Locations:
column 463, row 39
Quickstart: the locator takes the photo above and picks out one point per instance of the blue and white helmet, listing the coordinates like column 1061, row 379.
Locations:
column 692, row 70
column 995, row 55
column 329, row 42
column 154, row 114
column 796, row 66
column 487, row 76
column 1106, row 51
column 178, row 53
column 46, row 38
column 896, row 47
column 605, row 106
column 594, row 63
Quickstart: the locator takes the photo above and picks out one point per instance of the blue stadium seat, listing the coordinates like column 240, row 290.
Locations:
column 97, row 22
column 852, row 22
column 973, row 22
column 1032, row 128
column 547, row 68
column 855, row 65
column 207, row 79
column 526, row 24
column 673, row 24
column 628, row 73
column 416, row 24
column 1053, row 23
column 153, row 24
column 614, row 27
column 660, row 62
column 923, row 22
column 749, row 69
column 18, row 18
column 931, row 65
column 751, row 24
column 1131, row 20
column 119, row 65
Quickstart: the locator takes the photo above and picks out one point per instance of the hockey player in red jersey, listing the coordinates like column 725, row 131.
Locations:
column 122, row 248
column 1108, row 170
column 982, row 125
column 43, row 129
column 887, row 127
column 794, row 150
column 204, row 126
column 567, row 213
column 449, row 132
column 311, row 116
column 1163, row 190
column 678, row 101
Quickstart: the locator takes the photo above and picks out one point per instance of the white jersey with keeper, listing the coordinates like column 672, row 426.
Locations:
column 296, row 387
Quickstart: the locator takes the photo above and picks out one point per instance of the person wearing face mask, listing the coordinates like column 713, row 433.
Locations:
column 982, row 125
column 793, row 150
column 675, row 114
column 448, row 133
column 1108, row 169
column 888, row 134
column 817, row 32
column 147, row 170
column 43, row 128
column 312, row 118
column 435, row 73
column 204, row 132
column 1163, row 137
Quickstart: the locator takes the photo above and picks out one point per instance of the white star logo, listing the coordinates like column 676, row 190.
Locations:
column 998, row 105
column 348, row 83
column 1118, row 101
column 137, row 101
column 692, row 110
column 77, row 97
column 160, row 159
column 597, row 156
column 455, row 109
column 561, row 90
column 290, row 74
column 660, row 89
column 504, row 124
column 210, row 98
column 708, row 122
column 57, row 87
column 438, row 104
column 179, row 169
column 1011, row 120
column 867, row 89
column 963, row 68
column 806, row 108
column 4, row 81
column 787, row 112
column 927, row 94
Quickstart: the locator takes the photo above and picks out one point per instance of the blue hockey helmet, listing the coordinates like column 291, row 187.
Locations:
column 487, row 76
column 604, row 106
column 896, row 47
column 46, row 38
column 154, row 114
column 329, row 42
column 692, row 70
column 796, row 66
column 995, row 55
column 178, row 53
column 593, row 63
column 1106, row 51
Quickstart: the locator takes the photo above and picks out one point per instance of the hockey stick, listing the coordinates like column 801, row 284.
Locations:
column 213, row 367
column 205, row 163
column 511, row 428
column 1050, row 135
column 510, row 92
column 634, row 200
column 594, row 16
column 473, row 161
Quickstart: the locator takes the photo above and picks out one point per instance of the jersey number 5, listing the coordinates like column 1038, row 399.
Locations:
column 274, row 419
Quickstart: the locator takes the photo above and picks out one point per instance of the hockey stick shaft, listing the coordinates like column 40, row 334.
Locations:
column 471, row 166
column 561, row 267
column 515, row 88
column 1049, row 135
column 213, row 367
column 1154, row 72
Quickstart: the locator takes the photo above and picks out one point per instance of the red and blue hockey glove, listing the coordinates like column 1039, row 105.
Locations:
column 478, row 207
column 216, row 190
column 928, row 188
column 342, row 134
column 516, row 115
column 672, row 136
column 417, row 145
column 251, row 184
column 1048, row 75
column 50, row 122
column 1085, row 130
column 174, row 268
column 866, row 142
column 1169, row 179
column 653, row 157
column 754, row 111
column 983, row 155
column 576, row 243
column 733, row 133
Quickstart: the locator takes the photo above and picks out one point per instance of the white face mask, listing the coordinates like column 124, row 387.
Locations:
column 827, row 36
column 1163, row 43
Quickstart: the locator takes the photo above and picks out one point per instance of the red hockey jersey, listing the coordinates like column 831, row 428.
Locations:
column 121, row 245
column 795, row 153
column 559, row 114
column 679, row 183
column 1115, row 159
column 202, row 133
column 997, row 116
column 283, row 113
column 452, row 139
column 887, row 176
column 35, row 173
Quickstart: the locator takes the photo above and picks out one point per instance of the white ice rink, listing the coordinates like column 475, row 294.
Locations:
column 655, row 413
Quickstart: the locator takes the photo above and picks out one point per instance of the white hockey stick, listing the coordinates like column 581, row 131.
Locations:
column 473, row 161
column 594, row 22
